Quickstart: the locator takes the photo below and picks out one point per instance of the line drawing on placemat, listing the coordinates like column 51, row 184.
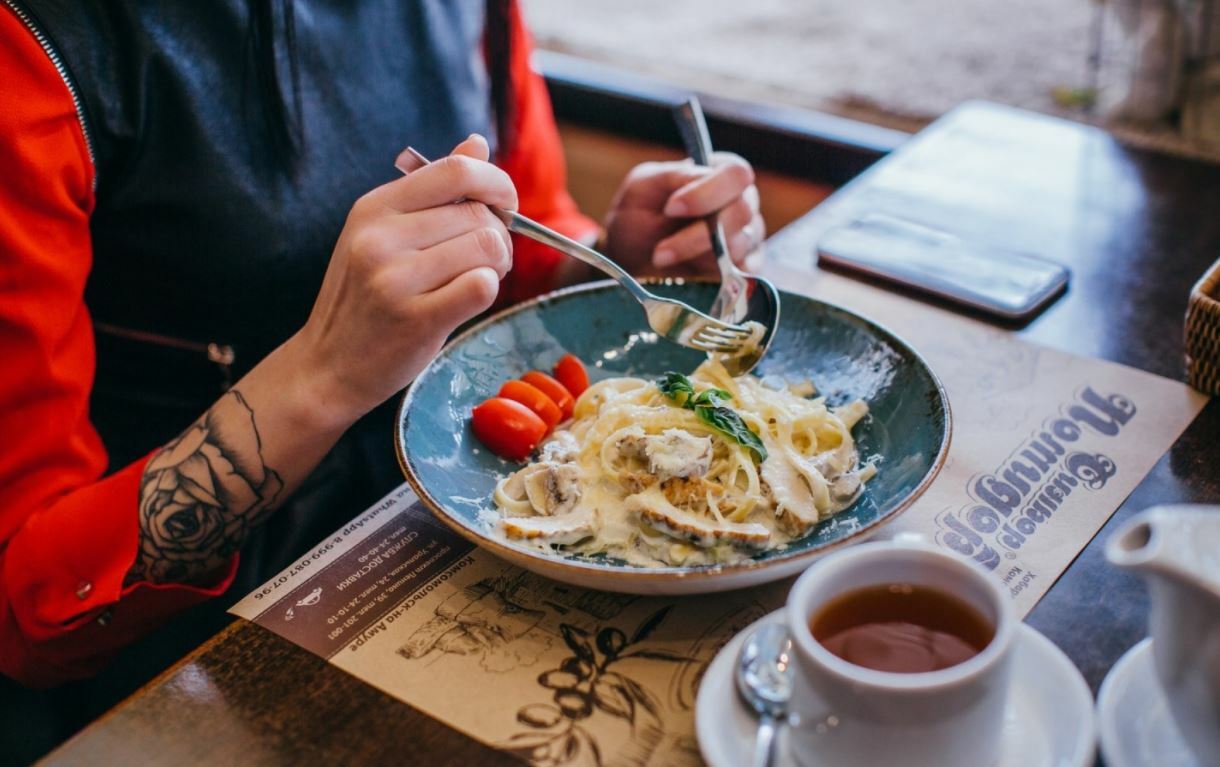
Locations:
column 500, row 618
column 600, row 680
column 591, row 681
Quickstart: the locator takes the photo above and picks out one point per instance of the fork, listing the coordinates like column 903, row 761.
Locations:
column 669, row 318
column 731, row 302
column 744, row 299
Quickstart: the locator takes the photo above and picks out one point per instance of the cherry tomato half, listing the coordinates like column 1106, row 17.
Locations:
column 553, row 389
column 509, row 429
column 534, row 399
column 571, row 372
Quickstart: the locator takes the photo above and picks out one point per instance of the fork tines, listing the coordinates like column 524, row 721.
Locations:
column 728, row 331
column 718, row 339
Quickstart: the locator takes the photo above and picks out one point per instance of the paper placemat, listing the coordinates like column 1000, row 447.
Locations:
column 1046, row 446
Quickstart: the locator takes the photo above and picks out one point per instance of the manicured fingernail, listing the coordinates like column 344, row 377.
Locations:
column 664, row 257
column 676, row 208
column 409, row 160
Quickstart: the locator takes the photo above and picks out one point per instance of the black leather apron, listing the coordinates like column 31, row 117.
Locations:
column 205, row 234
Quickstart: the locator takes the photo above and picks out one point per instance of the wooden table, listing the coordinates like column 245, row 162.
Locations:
column 1136, row 228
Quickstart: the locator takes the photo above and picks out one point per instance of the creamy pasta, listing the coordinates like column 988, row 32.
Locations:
column 645, row 477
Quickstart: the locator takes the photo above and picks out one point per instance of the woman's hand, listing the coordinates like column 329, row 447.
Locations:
column 655, row 222
column 409, row 267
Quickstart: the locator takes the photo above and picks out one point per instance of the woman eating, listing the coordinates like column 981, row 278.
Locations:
column 217, row 263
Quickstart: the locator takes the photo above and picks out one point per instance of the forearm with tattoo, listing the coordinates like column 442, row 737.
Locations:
column 202, row 493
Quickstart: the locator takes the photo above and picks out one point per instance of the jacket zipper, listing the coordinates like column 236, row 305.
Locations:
column 222, row 355
column 53, row 55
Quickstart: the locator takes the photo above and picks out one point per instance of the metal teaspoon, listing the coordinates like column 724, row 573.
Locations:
column 764, row 681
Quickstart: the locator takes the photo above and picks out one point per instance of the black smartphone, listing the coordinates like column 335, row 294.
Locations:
column 1006, row 283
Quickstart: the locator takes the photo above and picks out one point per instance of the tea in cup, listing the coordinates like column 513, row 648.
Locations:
column 902, row 654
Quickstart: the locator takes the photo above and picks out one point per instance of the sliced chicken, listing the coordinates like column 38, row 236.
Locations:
column 655, row 509
column 561, row 530
column 635, row 481
column 552, row 488
column 794, row 503
column 691, row 493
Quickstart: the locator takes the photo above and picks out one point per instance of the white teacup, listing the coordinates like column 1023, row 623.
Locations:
column 850, row 715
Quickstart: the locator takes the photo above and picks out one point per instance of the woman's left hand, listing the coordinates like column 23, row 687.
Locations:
column 655, row 223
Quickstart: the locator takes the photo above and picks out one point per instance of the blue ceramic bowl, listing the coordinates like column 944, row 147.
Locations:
column 846, row 355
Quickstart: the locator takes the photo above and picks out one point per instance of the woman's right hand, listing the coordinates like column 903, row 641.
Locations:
column 409, row 267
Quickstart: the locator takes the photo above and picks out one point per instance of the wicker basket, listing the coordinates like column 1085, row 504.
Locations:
column 1203, row 333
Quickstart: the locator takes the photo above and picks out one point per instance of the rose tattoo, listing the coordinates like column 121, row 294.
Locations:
column 201, row 494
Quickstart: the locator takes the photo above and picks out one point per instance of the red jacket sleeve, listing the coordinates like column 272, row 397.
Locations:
column 536, row 165
column 67, row 536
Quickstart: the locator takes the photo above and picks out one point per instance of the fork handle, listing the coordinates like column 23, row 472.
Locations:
column 698, row 143
column 527, row 227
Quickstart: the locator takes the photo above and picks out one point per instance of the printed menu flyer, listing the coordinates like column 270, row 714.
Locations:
column 1046, row 446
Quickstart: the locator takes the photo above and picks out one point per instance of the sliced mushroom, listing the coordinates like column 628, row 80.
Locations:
column 562, row 447
column 673, row 453
column 514, row 486
column 844, row 487
column 677, row 453
column 552, row 488
column 631, row 443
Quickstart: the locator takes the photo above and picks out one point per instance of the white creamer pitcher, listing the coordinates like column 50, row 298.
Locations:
column 1177, row 549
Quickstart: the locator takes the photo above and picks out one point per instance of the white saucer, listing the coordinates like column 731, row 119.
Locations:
column 1049, row 719
column 1133, row 718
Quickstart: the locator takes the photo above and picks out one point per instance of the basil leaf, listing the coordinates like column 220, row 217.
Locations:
column 677, row 387
column 708, row 408
column 711, row 397
column 728, row 423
